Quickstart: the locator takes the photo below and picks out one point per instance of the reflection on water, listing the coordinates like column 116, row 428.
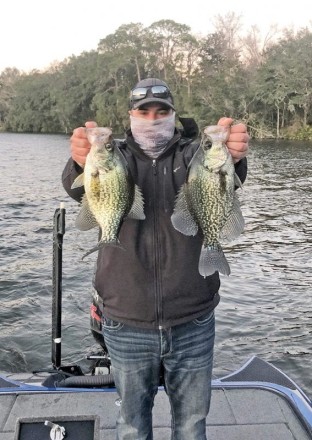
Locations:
column 266, row 305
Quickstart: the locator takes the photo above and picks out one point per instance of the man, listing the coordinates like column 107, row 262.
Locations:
column 158, row 311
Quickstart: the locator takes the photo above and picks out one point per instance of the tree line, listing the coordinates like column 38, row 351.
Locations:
column 266, row 82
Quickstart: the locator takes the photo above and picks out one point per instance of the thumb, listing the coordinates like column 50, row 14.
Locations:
column 91, row 124
column 225, row 122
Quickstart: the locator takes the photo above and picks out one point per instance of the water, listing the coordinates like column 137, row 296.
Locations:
column 266, row 303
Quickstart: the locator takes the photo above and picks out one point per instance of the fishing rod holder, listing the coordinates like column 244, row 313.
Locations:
column 58, row 234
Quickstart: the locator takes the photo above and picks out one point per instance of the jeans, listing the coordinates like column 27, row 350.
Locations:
column 185, row 352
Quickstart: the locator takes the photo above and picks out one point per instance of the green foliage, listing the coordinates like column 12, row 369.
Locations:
column 299, row 134
column 220, row 74
column 30, row 106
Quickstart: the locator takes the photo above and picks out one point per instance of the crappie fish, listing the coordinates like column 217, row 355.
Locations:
column 110, row 193
column 207, row 200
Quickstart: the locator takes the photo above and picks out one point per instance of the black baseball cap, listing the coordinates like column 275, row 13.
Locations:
column 150, row 90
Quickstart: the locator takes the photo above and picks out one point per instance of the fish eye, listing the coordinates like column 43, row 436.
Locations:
column 206, row 144
column 109, row 147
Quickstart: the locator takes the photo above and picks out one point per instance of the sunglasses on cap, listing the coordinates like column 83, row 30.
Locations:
column 156, row 91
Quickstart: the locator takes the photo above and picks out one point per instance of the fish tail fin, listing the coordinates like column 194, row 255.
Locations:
column 102, row 244
column 212, row 259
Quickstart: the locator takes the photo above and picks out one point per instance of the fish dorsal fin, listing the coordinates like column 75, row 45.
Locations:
column 181, row 218
column 85, row 219
column 137, row 210
column 234, row 224
column 78, row 182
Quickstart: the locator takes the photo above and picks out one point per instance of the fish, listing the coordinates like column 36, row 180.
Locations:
column 111, row 195
column 207, row 201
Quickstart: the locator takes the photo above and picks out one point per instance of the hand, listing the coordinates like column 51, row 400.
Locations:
column 237, row 142
column 79, row 143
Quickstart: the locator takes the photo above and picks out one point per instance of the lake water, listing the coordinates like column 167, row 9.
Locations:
column 266, row 303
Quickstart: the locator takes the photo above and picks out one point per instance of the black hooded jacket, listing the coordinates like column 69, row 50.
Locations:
column 154, row 281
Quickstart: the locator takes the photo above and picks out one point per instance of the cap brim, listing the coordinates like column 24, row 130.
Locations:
column 145, row 101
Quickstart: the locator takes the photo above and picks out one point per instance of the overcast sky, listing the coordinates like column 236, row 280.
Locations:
column 35, row 33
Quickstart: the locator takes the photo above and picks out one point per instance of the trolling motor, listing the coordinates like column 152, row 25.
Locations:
column 73, row 375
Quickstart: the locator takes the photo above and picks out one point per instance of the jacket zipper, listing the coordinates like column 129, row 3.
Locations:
column 157, row 250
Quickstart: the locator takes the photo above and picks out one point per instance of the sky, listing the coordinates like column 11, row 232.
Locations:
column 36, row 33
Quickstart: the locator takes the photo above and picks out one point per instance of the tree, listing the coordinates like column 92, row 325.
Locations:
column 166, row 40
column 8, row 79
column 285, row 78
column 267, row 83
column 255, row 45
column 30, row 107
column 73, row 86
column 125, row 48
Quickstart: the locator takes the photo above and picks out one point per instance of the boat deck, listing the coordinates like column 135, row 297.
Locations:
column 236, row 414
column 257, row 401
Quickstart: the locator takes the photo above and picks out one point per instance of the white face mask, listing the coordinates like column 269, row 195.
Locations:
column 153, row 135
